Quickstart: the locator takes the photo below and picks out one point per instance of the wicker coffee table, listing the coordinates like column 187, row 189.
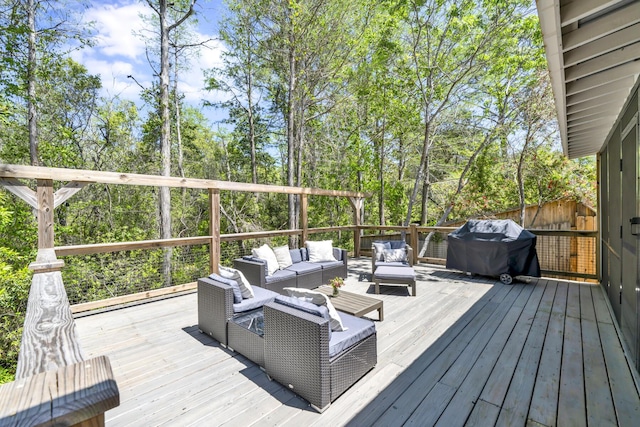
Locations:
column 354, row 304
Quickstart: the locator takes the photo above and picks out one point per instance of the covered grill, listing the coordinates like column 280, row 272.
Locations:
column 493, row 248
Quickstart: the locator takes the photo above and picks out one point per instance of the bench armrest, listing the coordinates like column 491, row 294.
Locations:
column 254, row 271
column 215, row 308
column 296, row 349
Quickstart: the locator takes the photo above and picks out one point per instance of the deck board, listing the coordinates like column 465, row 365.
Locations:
column 462, row 404
column 544, row 402
column 464, row 351
column 516, row 403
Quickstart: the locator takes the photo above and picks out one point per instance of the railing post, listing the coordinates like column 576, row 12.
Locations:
column 356, row 205
column 413, row 238
column 214, row 229
column 304, row 218
column 44, row 196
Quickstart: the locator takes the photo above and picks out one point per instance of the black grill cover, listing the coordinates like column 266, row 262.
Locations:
column 493, row 247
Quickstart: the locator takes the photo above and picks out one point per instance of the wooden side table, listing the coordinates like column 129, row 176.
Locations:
column 352, row 303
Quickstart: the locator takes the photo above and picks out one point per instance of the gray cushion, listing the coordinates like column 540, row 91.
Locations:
column 391, row 264
column 357, row 330
column 330, row 264
column 378, row 248
column 296, row 255
column 280, row 275
column 261, row 297
column 307, row 307
column 305, row 254
column 304, row 267
column 394, row 255
column 386, row 272
column 237, row 294
column 397, row 244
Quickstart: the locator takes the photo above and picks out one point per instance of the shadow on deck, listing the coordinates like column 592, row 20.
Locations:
column 464, row 351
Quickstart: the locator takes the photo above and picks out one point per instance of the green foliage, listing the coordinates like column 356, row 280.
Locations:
column 14, row 292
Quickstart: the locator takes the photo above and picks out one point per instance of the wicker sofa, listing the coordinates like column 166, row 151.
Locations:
column 301, row 274
column 303, row 354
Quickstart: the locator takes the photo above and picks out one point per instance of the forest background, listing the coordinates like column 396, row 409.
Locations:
column 442, row 109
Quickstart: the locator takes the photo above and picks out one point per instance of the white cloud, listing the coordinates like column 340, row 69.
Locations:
column 116, row 27
column 119, row 53
column 192, row 79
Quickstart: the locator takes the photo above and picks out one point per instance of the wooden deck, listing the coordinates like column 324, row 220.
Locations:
column 465, row 351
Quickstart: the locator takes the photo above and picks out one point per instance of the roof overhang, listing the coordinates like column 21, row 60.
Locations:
column 593, row 52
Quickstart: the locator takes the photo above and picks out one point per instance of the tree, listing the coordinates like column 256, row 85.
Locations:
column 36, row 30
column 243, row 73
column 447, row 42
column 536, row 118
column 162, row 9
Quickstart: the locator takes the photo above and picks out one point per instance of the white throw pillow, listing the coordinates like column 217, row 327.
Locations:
column 378, row 249
column 395, row 255
column 283, row 256
column 318, row 298
column 266, row 253
column 320, row 251
column 307, row 295
column 231, row 273
column 336, row 321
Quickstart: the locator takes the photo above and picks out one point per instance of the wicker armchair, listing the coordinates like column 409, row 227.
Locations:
column 216, row 306
column 297, row 353
column 377, row 259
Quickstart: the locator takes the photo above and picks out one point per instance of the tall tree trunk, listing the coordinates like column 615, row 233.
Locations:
column 426, row 145
column 461, row 184
column 426, row 187
column 32, row 112
column 402, row 161
column 520, row 178
column 291, row 135
column 164, row 199
column 250, row 117
column 381, row 215
column 165, row 141
column 176, row 106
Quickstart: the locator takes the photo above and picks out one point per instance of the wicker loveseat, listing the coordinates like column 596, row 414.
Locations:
column 303, row 354
column 301, row 274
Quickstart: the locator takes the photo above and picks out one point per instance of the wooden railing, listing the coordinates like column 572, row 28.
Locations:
column 55, row 384
column 563, row 253
column 143, row 294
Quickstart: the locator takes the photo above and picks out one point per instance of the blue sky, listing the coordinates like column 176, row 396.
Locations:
column 118, row 52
